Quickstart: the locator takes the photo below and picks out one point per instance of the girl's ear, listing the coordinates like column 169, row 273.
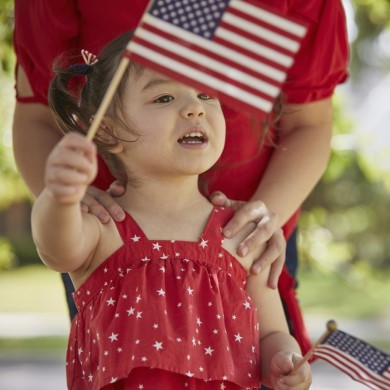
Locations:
column 108, row 133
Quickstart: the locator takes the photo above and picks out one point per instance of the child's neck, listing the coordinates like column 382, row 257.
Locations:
column 161, row 206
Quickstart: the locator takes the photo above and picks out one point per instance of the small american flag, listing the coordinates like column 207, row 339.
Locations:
column 358, row 359
column 234, row 49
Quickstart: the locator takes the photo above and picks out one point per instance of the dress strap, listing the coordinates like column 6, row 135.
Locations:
column 219, row 217
column 129, row 230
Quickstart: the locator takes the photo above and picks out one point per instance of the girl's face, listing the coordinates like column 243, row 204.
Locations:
column 182, row 130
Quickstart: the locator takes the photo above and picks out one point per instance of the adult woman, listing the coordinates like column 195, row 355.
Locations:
column 268, row 177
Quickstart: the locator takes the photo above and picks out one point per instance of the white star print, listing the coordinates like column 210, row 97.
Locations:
column 215, row 331
column 162, row 269
column 119, row 349
column 139, row 314
column 130, row 312
column 105, row 270
column 164, row 256
column 247, row 305
column 161, row 292
column 140, row 387
column 198, row 321
column 116, row 315
column 105, row 353
column 146, row 258
column 158, row 345
column 138, row 298
column 190, row 290
column 223, row 387
column 155, row 326
column 113, row 337
column 144, row 358
column 190, row 374
column 156, row 246
column 113, row 379
column 137, row 341
column 234, row 317
column 208, row 351
column 238, row 337
column 80, row 350
column 203, row 243
column 135, row 238
column 111, row 302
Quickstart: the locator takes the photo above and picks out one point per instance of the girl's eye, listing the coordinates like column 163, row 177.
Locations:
column 164, row 99
column 205, row 96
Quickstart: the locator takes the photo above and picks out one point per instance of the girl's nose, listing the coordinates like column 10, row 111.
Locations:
column 193, row 109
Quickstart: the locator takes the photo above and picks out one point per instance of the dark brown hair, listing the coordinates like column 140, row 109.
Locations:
column 74, row 102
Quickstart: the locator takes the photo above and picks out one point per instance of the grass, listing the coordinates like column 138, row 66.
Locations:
column 335, row 295
column 32, row 288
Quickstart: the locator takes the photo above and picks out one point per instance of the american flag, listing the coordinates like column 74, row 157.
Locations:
column 234, row 49
column 358, row 359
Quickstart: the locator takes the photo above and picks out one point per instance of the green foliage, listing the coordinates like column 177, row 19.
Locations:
column 7, row 257
column 345, row 221
column 6, row 31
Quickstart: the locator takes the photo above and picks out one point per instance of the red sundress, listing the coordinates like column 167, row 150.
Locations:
column 175, row 310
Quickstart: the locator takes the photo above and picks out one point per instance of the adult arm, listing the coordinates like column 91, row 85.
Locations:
column 35, row 133
column 299, row 160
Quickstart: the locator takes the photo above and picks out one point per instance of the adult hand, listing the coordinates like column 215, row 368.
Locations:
column 267, row 231
column 101, row 203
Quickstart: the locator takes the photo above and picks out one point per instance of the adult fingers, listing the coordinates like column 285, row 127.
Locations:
column 274, row 255
column 102, row 205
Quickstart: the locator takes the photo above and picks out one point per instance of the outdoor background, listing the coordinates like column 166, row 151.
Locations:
column 344, row 231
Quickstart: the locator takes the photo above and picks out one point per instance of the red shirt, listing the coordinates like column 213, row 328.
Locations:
column 46, row 28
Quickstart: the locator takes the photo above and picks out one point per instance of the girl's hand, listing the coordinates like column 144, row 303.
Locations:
column 267, row 230
column 101, row 203
column 70, row 167
column 282, row 376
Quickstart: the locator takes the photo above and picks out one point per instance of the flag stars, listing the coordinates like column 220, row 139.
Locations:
column 208, row 351
column 238, row 337
column 135, row 238
column 139, row 315
column 155, row 326
column 190, row 290
column 138, row 299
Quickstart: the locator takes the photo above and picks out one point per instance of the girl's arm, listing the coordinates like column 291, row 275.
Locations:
column 65, row 237
column 279, row 351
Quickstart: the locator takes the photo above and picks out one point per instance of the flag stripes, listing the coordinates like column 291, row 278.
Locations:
column 232, row 49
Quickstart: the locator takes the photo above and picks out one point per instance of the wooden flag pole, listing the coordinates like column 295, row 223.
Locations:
column 107, row 98
column 331, row 327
